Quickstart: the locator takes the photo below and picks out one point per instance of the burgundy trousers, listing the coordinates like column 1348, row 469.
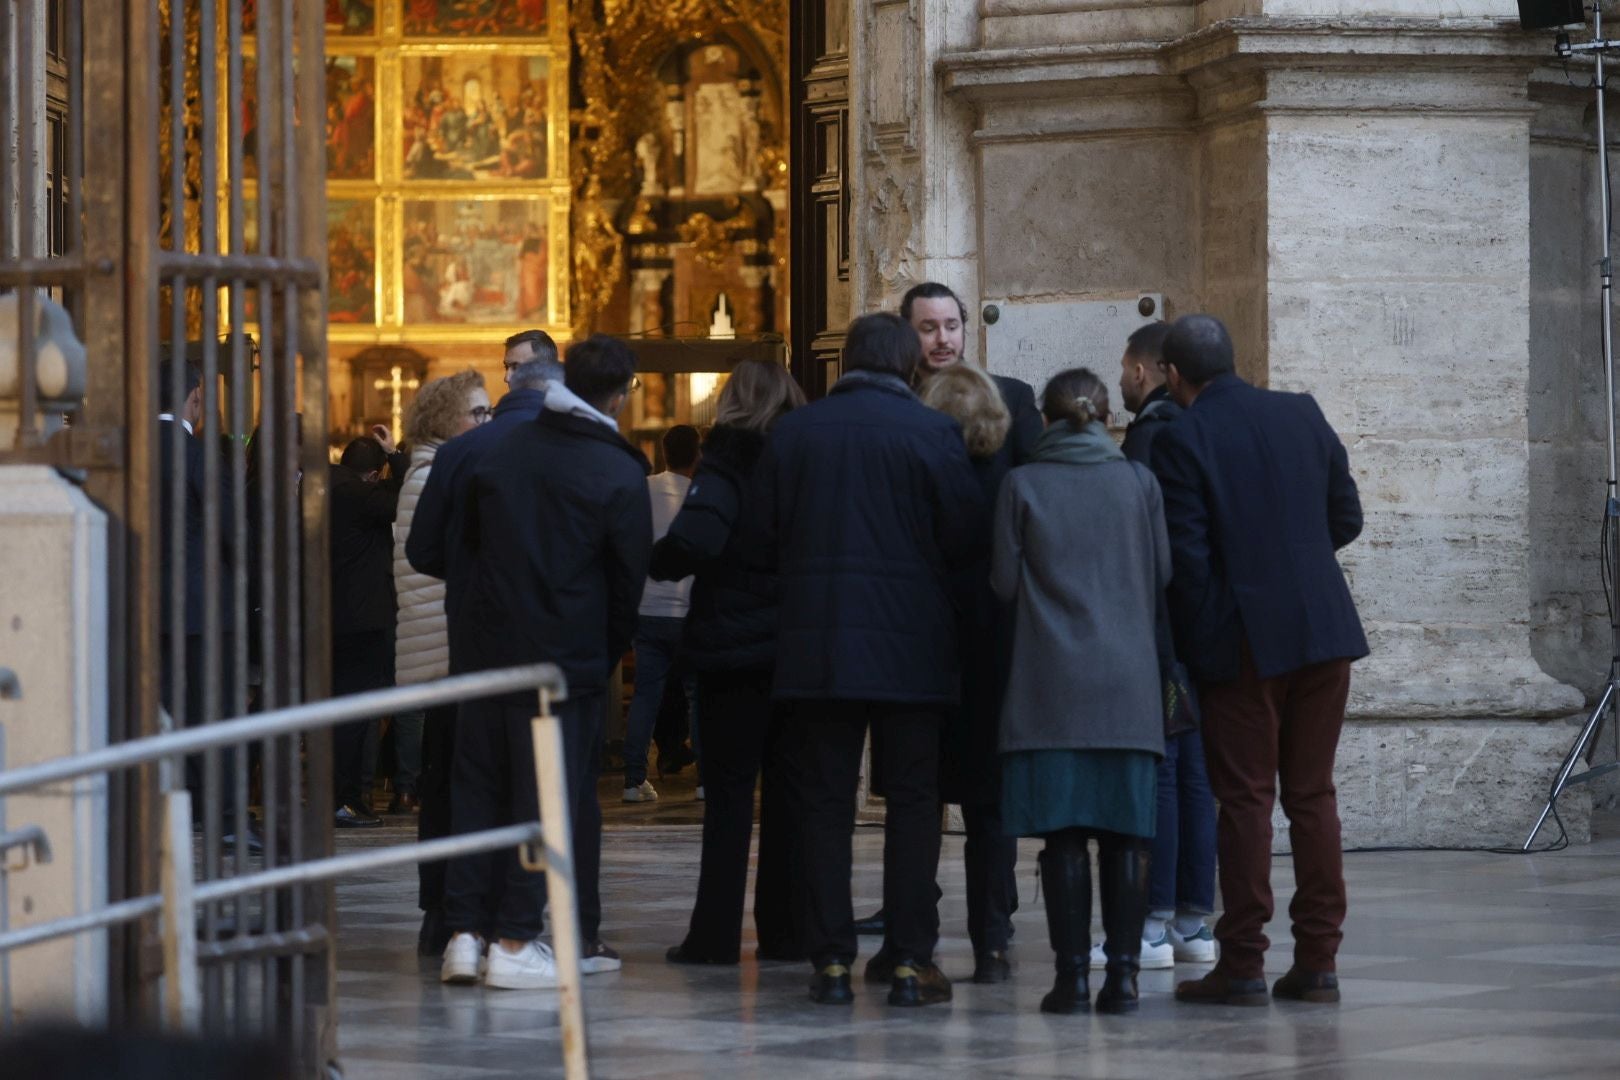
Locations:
column 1258, row 732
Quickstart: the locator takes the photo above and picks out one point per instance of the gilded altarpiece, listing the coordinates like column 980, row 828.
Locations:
column 447, row 186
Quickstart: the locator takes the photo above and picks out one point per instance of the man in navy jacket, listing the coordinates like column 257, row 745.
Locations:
column 558, row 528
column 872, row 504
column 1257, row 498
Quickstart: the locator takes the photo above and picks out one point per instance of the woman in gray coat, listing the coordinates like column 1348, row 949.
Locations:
column 1081, row 553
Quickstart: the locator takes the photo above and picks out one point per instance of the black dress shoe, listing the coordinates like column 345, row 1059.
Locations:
column 434, row 935
column 830, row 985
column 991, row 966
column 687, row 954
column 874, row 925
column 1317, row 987
column 355, row 817
column 918, row 984
column 880, row 968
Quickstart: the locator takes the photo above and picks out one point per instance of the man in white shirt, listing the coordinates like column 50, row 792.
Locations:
column 663, row 611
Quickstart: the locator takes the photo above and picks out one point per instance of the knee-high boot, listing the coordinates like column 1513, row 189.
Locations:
column 1066, row 875
column 1122, row 863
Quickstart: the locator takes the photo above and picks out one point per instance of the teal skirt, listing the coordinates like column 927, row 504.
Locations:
column 1043, row 791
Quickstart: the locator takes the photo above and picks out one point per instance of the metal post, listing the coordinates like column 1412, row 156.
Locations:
column 5, row 901
column 557, row 829
column 1611, row 508
column 182, row 1004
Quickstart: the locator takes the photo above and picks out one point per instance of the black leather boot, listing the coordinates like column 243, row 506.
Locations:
column 1066, row 876
column 1122, row 863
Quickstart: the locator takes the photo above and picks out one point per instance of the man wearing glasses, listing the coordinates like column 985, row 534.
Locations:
column 525, row 346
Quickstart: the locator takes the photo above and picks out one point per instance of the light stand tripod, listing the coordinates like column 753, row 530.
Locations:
column 1586, row 744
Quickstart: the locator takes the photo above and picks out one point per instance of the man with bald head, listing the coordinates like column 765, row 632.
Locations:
column 1258, row 497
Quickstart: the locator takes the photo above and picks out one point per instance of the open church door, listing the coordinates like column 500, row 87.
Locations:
column 819, row 76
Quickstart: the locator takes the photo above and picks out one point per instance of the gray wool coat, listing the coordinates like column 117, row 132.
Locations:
column 1081, row 553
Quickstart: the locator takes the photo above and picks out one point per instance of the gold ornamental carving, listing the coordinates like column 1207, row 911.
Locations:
column 620, row 44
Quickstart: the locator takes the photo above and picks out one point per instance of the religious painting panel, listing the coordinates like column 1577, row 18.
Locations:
column 344, row 18
column 351, row 251
column 474, row 262
column 476, row 18
column 351, row 118
column 475, row 116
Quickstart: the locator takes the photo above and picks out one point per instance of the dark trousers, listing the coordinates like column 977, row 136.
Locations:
column 197, row 677
column 829, row 736
column 492, row 784
column 990, row 858
column 433, row 788
column 1255, row 731
column 747, row 743
column 1184, row 840
column 362, row 660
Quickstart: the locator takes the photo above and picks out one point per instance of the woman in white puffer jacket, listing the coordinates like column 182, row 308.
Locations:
column 443, row 409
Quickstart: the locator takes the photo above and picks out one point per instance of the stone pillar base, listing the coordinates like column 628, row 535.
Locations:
column 1452, row 783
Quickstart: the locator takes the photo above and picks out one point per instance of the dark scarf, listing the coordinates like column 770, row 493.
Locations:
column 1065, row 444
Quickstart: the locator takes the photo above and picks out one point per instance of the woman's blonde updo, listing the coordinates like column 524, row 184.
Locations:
column 1076, row 395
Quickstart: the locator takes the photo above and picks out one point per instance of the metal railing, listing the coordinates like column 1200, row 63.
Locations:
column 545, row 845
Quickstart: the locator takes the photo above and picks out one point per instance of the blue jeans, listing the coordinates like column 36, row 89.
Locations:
column 656, row 640
column 1183, row 874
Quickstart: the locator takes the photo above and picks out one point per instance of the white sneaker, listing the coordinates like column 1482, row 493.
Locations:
column 642, row 793
column 1198, row 949
column 532, row 967
column 463, row 959
column 597, row 958
column 700, row 793
column 1157, row 955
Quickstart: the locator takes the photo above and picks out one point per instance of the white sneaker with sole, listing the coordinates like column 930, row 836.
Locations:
column 1197, row 949
column 1157, row 955
column 599, row 957
column 532, row 967
column 643, row 792
column 463, row 958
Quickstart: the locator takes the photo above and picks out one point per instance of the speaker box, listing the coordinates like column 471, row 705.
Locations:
column 1544, row 14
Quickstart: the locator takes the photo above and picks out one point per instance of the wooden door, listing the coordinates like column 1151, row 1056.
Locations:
column 819, row 63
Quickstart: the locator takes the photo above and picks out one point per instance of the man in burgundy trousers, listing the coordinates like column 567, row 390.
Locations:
column 1258, row 497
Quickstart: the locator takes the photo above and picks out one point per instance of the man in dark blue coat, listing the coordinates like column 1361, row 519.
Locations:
column 1257, row 498
column 871, row 503
column 436, row 546
column 558, row 528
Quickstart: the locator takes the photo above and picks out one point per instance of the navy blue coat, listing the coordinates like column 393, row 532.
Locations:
column 559, row 530
column 436, row 544
column 1257, row 498
column 872, row 505
column 191, row 489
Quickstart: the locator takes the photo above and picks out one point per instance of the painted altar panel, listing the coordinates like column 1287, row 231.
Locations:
column 447, row 177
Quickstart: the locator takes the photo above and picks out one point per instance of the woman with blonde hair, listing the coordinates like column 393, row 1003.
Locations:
column 443, row 408
column 730, row 642
column 969, row 768
column 1081, row 553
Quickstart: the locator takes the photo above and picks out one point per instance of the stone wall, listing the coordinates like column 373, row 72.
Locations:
column 1374, row 199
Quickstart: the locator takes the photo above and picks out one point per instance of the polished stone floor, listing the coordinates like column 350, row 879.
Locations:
column 1463, row 966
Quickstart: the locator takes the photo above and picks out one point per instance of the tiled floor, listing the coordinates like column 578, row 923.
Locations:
column 1460, row 966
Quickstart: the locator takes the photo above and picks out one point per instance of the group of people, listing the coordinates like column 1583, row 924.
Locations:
column 1056, row 632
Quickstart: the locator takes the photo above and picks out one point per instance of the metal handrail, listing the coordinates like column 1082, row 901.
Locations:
column 288, row 721
column 178, row 900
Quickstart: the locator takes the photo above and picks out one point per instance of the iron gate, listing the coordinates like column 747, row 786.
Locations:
column 186, row 226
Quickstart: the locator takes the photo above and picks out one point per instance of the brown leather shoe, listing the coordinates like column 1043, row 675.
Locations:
column 1218, row 988
column 1317, row 987
column 880, row 968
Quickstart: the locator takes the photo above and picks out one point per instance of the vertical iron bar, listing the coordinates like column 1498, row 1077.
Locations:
column 287, row 146
column 9, row 55
column 75, row 161
column 30, row 114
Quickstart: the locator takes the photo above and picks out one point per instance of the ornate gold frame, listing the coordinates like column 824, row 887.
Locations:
column 389, row 47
